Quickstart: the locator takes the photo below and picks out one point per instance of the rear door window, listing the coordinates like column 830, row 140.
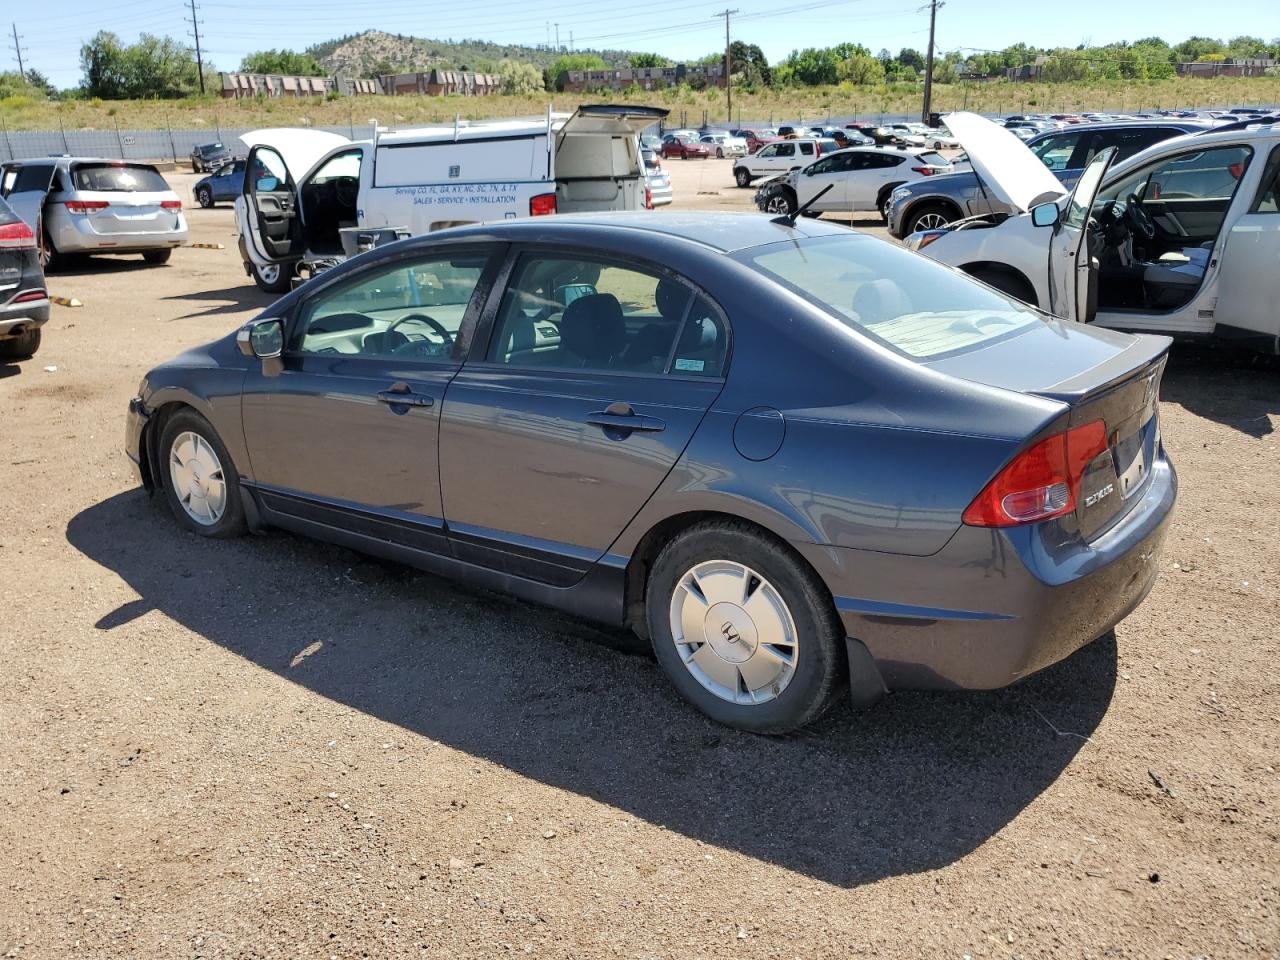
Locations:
column 117, row 178
column 806, row 148
column 1055, row 152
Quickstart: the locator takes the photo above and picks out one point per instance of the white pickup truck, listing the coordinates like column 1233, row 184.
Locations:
column 311, row 198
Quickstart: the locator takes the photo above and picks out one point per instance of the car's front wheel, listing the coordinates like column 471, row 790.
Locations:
column 273, row 277
column 929, row 216
column 745, row 632
column 741, row 177
column 780, row 202
column 204, row 197
column 719, row 153
column 200, row 481
column 157, row 257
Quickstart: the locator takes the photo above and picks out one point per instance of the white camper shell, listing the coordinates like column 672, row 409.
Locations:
column 312, row 198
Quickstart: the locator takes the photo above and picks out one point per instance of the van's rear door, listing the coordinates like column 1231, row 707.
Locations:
column 597, row 158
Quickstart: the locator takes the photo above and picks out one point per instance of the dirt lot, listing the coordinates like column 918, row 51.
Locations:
column 275, row 748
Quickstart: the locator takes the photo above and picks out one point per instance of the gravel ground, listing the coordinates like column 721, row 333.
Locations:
column 276, row 748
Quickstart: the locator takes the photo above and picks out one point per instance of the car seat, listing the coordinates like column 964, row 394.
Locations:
column 592, row 332
column 876, row 301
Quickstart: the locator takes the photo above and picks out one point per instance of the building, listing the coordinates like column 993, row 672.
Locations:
column 242, row 86
column 437, row 83
column 646, row 78
column 1256, row 67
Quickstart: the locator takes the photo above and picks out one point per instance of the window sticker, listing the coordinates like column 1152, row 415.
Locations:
column 693, row 366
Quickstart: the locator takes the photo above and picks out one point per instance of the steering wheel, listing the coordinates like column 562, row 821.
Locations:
column 1139, row 219
column 419, row 344
column 346, row 191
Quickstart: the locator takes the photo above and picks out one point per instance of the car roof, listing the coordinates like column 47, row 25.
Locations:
column 721, row 232
column 1265, row 136
column 1188, row 125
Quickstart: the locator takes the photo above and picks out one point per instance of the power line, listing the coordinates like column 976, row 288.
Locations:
column 195, row 32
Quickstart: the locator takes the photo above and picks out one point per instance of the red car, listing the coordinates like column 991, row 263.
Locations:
column 674, row 145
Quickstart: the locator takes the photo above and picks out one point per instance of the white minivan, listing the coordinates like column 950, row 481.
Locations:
column 312, row 198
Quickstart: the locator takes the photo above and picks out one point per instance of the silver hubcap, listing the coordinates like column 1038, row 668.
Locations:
column 270, row 273
column 197, row 478
column 778, row 205
column 733, row 632
column 931, row 221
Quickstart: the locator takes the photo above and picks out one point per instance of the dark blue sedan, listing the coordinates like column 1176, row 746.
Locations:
column 225, row 183
column 794, row 457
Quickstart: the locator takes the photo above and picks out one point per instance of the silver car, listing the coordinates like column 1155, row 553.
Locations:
column 84, row 205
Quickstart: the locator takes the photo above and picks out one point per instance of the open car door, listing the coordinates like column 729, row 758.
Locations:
column 1073, row 269
column 271, row 205
column 25, row 186
column 1249, row 255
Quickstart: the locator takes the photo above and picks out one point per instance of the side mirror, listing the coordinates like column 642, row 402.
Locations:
column 1045, row 215
column 263, row 339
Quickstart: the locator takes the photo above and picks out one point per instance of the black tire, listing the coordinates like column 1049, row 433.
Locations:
column 1006, row 281
column 882, row 201
column 196, row 168
column 281, row 284
column 204, row 197
column 232, row 522
column 50, row 260
column 742, row 177
column 927, row 211
column 812, row 214
column 780, row 203
column 819, row 661
column 21, row 347
column 719, row 153
column 157, row 257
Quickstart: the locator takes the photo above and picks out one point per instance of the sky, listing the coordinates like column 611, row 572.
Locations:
column 51, row 32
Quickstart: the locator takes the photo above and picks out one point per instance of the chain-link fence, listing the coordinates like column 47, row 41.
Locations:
column 153, row 145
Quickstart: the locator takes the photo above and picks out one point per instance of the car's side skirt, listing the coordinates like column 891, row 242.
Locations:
column 597, row 593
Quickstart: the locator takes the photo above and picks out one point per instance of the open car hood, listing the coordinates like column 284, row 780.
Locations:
column 1006, row 165
column 299, row 148
column 612, row 119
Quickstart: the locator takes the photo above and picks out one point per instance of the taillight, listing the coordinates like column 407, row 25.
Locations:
column 925, row 171
column 542, row 205
column 27, row 296
column 171, row 204
column 928, row 236
column 1041, row 482
column 84, row 206
column 16, row 235
column 648, row 199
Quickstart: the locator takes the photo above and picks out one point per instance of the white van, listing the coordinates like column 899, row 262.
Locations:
column 311, row 198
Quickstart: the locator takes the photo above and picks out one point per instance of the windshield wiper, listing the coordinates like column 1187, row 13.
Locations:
column 789, row 219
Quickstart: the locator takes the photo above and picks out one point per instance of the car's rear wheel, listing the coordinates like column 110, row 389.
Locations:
column 50, row 260
column 719, row 153
column 157, row 257
column 929, row 216
column 204, row 197
column 741, row 177
column 273, row 277
column 745, row 632
column 200, row 481
column 21, row 347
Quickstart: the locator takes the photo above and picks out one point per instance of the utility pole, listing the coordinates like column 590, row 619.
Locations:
column 557, row 38
column 728, row 74
column 928, row 63
column 195, row 32
column 17, row 49
column 571, row 41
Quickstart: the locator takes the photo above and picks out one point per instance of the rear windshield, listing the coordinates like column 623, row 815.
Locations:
column 932, row 159
column 907, row 302
column 126, row 178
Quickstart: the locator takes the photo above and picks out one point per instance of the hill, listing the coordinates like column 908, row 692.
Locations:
column 373, row 52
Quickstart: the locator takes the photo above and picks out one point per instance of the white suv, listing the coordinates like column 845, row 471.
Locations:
column 780, row 156
column 856, row 179
column 1181, row 239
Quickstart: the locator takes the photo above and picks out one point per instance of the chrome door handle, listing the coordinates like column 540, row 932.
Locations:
column 405, row 397
column 620, row 418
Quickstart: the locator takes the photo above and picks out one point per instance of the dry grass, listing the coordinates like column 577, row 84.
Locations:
column 688, row 107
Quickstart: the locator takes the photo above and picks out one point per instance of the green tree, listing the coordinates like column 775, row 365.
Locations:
column 1193, row 48
column 748, row 62
column 813, row 66
column 561, row 65
column 639, row 60
column 519, row 79
column 152, row 68
column 862, row 69
column 285, row 62
column 911, row 58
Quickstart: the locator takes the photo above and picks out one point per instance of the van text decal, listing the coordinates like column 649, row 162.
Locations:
column 471, row 193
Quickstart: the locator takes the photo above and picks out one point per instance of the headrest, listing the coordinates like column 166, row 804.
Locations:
column 593, row 328
column 671, row 298
column 880, row 300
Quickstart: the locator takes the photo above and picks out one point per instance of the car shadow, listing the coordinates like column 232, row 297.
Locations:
column 86, row 265
column 225, row 300
column 9, row 370
column 911, row 785
column 1229, row 386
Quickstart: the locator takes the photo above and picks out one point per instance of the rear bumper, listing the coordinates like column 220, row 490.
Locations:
column 75, row 234
column 18, row 318
column 993, row 606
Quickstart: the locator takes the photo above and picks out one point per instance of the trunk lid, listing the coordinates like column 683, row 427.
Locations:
column 1100, row 375
column 1005, row 164
column 118, row 197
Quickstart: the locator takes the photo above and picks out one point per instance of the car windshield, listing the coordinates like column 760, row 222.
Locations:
column 919, row 308
column 116, row 177
column 209, row 149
